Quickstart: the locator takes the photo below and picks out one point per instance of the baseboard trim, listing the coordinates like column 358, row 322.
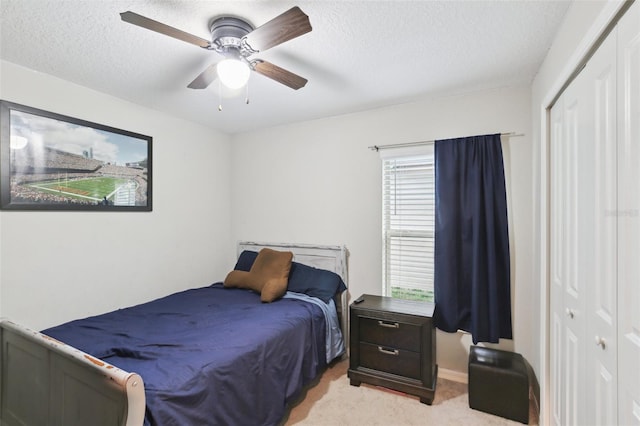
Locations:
column 454, row 376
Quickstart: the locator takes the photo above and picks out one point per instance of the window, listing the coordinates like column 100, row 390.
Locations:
column 408, row 195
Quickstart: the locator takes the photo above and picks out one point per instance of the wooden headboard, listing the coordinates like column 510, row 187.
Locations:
column 331, row 258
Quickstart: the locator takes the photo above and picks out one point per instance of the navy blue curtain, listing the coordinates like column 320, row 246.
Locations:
column 472, row 269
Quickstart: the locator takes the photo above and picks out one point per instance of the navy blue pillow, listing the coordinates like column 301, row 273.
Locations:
column 305, row 279
column 245, row 261
column 314, row 282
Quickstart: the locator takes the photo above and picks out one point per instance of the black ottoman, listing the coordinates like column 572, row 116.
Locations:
column 499, row 383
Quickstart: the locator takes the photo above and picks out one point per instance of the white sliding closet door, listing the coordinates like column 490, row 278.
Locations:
column 583, row 236
column 595, row 237
column 599, row 201
column 629, row 216
column 568, row 292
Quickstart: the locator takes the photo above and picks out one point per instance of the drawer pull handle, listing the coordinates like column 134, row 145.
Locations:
column 388, row 324
column 388, row 351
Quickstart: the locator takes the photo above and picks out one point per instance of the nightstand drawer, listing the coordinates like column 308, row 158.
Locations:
column 390, row 333
column 391, row 360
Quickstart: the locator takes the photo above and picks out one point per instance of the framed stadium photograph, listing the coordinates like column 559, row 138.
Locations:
column 50, row 161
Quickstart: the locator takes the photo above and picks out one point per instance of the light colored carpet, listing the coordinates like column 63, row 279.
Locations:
column 334, row 402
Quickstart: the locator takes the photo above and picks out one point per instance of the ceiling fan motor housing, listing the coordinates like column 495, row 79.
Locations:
column 227, row 33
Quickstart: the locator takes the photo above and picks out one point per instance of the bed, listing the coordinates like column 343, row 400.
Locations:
column 207, row 356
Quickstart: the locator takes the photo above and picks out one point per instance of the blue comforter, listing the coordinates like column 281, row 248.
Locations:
column 210, row 356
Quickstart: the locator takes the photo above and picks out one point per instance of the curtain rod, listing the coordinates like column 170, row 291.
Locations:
column 406, row 144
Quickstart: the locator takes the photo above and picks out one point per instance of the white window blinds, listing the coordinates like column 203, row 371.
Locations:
column 408, row 195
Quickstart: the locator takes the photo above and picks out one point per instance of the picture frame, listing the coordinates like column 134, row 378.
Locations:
column 50, row 161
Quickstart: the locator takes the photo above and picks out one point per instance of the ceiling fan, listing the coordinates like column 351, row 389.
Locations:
column 236, row 40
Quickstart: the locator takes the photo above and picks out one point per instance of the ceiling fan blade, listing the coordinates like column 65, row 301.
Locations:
column 205, row 78
column 291, row 24
column 278, row 74
column 159, row 27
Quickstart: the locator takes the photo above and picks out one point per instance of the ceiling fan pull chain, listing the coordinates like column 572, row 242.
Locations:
column 219, row 96
column 247, row 97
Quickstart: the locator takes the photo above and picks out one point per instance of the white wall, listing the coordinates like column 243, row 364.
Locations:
column 583, row 24
column 312, row 182
column 58, row 266
column 316, row 182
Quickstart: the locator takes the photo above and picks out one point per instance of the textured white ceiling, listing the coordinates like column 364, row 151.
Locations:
column 360, row 54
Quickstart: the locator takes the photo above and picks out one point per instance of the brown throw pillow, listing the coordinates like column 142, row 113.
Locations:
column 241, row 279
column 268, row 275
column 273, row 289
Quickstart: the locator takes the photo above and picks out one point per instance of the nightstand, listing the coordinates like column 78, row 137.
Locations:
column 393, row 344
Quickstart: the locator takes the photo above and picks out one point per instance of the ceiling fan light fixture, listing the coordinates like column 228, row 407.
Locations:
column 233, row 73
